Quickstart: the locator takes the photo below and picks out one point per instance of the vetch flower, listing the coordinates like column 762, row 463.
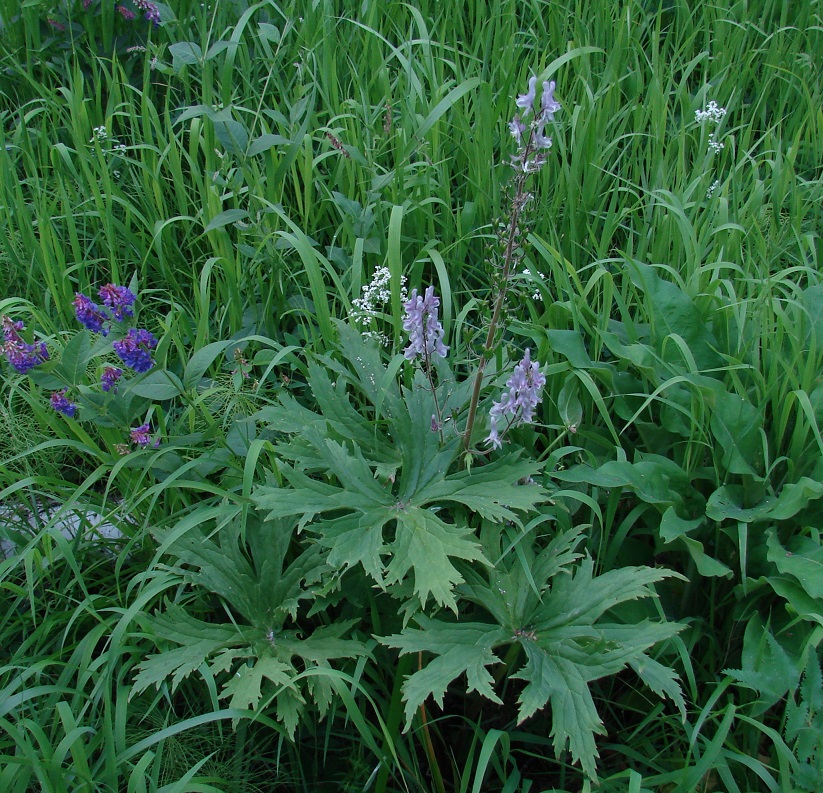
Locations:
column 20, row 355
column 134, row 350
column 89, row 314
column 62, row 405
column 126, row 13
column 519, row 402
column 142, row 436
column 119, row 299
column 109, row 378
column 424, row 329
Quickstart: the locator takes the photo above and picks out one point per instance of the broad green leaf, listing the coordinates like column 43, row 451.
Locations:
column 803, row 560
column 265, row 142
column 176, row 664
column 357, row 539
column 737, row 425
column 186, row 52
column 202, row 359
column 159, row 384
column 224, row 218
column 650, row 480
column 74, row 359
column 673, row 312
column 676, row 529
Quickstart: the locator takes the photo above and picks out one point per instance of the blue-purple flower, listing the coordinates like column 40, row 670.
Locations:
column 119, row 299
column 152, row 11
column 61, row 403
column 142, row 436
column 109, row 378
column 89, row 314
column 20, row 355
column 134, row 350
column 519, row 402
column 424, row 329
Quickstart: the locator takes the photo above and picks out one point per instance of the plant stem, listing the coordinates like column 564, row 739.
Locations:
column 517, row 206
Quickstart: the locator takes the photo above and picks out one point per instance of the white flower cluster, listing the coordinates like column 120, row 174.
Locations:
column 99, row 133
column 713, row 113
column 712, row 187
column 714, row 144
column 375, row 297
column 536, row 294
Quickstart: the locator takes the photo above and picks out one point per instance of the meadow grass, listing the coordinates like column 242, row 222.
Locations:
column 258, row 162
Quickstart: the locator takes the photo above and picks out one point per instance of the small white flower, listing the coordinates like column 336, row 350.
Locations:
column 712, row 187
column 99, row 133
column 712, row 113
column 714, row 144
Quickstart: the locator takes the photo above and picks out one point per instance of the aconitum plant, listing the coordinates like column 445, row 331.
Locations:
column 533, row 145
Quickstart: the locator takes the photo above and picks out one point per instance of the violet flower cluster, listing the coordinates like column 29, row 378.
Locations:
column 109, row 378
column 62, row 404
column 526, row 159
column 20, row 355
column 421, row 323
column 135, row 349
column 524, row 393
column 152, row 11
column 141, row 436
column 117, row 299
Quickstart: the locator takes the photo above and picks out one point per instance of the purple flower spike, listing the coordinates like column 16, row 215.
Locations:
column 89, row 314
column 109, row 378
column 519, row 402
column 20, row 355
column 526, row 101
column 119, row 299
column 548, row 104
column 134, row 350
column 62, row 405
column 424, row 329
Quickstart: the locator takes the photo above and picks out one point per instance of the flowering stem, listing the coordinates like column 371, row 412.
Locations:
column 517, row 206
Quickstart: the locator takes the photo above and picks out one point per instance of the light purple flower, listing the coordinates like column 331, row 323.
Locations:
column 548, row 104
column 517, row 128
column 424, row 329
column 526, row 101
column 62, row 405
column 519, row 402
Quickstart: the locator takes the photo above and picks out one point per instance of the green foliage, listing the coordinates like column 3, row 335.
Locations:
column 260, row 161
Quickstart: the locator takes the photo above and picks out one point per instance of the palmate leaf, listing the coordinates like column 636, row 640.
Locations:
column 461, row 648
column 426, row 545
column 563, row 628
